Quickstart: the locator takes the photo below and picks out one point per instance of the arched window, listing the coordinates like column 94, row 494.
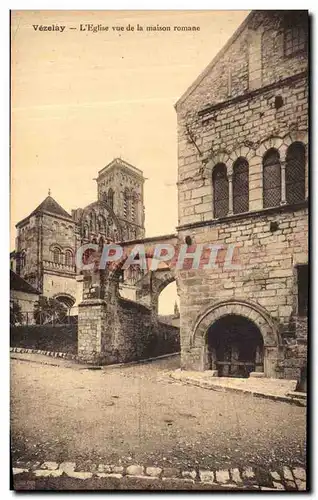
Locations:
column 110, row 198
column 57, row 255
column 271, row 179
column 101, row 243
column 68, row 258
column 126, row 204
column 134, row 201
column 240, row 186
column 220, row 191
column 295, row 172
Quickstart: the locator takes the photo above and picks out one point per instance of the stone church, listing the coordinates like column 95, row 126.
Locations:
column 243, row 180
column 48, row 238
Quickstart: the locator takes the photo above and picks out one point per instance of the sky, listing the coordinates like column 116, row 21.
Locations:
column 80, row 99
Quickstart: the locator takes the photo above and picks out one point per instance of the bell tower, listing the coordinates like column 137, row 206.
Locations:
column 121, row 186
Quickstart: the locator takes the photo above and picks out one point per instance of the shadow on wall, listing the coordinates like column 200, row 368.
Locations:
column 136, row 334
column 59, row 338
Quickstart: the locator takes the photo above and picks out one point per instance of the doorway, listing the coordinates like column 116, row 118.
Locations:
column 235, row 347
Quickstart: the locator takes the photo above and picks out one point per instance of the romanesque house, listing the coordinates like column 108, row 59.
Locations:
column 243, row 181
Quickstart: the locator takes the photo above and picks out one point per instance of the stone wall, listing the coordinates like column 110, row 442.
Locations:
column 229, row 112
column 119, row 330
column 55, row 284
column 266, row 274
column 241, row 129
column 27, row 241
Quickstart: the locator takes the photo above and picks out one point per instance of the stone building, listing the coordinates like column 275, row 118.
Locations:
column 243, row 181
column 48, row 238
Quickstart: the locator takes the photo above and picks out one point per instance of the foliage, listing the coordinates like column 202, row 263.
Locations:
column 48, row 310
column 16, row 316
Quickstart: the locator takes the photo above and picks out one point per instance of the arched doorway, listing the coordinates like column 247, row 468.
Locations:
column 235, row 346
column 195, row 354
column 64, row 298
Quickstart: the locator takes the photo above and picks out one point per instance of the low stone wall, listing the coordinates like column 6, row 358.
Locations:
column 59, row 338
column 121, row 331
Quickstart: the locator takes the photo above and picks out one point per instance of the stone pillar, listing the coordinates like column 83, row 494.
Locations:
column 230, row 179
column 91, row 324
column 259, row 359
column 283, row 181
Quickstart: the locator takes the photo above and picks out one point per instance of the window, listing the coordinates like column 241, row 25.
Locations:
column 22, row 259
column 303, row 286
column 101, row 243
column 295, row 40
column 111, row 198
column 133, row 206
column 68, row 258
column 126, row 204
column 240, row 186
column 56, row 255
column 220, row 191
column 295, row 172
column 271, row 179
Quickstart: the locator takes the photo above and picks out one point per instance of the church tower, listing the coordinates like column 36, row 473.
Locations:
column 121, row 186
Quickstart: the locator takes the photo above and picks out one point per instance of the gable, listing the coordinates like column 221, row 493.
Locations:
column 255, row 56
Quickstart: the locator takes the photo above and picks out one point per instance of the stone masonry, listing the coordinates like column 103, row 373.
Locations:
column 250, row 100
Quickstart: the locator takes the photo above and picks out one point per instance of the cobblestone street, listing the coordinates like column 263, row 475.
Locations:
column 137, row 415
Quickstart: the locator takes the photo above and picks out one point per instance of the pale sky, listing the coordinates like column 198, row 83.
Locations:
column 80, row 99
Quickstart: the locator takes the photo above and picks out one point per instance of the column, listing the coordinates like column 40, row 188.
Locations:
column 230, row 179
column 283, row 180
column 91, row 319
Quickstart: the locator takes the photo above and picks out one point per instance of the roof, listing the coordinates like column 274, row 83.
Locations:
column 51, row 206
column 20, row 285
column 214, row 61
column 119, row 162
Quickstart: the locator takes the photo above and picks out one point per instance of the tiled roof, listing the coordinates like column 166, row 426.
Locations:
column 20, row 285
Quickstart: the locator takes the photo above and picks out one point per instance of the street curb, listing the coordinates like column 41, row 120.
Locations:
column 53, row 354
column 204, row 384
column 74, row 357
column 246, row 478
column 140, row 362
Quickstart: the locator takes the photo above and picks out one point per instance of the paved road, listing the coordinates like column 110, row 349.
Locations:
column 138, row 415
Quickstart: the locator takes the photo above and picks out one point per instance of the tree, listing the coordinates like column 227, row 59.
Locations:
column 48, row 310
column 16, row 316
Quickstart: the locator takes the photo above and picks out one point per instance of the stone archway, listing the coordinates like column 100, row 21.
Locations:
column 198, row 352
column 235, row 347
column 66, row 299
column 151, row 285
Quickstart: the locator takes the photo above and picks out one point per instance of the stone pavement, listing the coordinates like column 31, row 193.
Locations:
column 155, row 432
column 248, row 478
column 275, row 389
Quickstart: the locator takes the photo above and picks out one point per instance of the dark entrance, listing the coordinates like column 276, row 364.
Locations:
column 235, row 347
